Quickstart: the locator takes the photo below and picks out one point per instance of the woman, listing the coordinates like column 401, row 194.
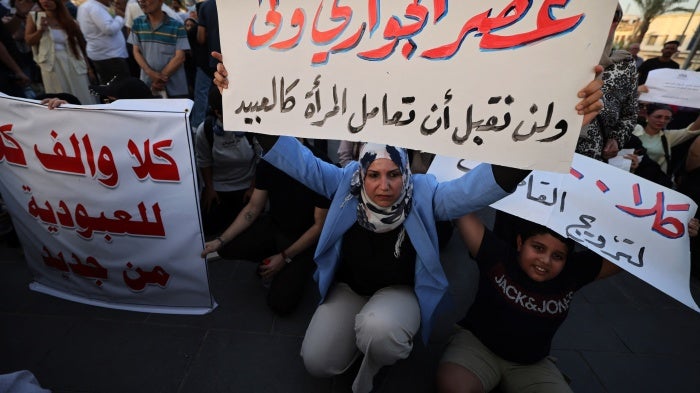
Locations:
column 59, row 50
column 609, row 131
column 378, row 265
column 656, row 140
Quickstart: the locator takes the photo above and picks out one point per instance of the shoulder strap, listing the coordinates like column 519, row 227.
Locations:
column 667, row 154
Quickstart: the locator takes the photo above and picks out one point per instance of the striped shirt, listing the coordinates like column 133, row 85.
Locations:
column 158, row 45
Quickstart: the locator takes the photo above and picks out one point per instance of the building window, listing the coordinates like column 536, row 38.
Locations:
column 652, row 39
column 680, row 38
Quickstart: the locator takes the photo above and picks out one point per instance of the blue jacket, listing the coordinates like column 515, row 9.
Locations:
column 432, row 201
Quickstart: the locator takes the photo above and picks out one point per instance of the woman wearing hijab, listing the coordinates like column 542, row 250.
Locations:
column 610, row 130
column 378, row 265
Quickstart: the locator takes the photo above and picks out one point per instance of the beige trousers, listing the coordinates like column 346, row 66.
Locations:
column 346, row 324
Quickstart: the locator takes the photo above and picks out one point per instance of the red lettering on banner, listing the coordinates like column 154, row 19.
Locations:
column 89, row 269
column 482, row 25
column 439, row 9
column 511, row 14
column 338, row 14
column 157, row 276
column 298, row 21
column 660, row 223
column 395, row 32
column 273, row 18
column 146, row 167
column 12, row 153
column 61, row 161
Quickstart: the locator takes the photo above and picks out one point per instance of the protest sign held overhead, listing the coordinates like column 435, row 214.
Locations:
column 493, row 80
column 638, row 225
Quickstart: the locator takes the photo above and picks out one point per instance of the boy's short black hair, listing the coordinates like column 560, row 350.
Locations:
column 528, row 229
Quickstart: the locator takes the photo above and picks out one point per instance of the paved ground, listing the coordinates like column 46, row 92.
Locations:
column 621, row 336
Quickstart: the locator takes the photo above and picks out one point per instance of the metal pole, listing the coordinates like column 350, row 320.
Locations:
column 694, row 49
column 692, row 52
column 690, row 19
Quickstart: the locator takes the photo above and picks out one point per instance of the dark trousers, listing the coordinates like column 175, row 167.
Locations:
column 108, row 69
column 263, row 239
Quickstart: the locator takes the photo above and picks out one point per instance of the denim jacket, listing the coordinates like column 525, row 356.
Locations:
column 432, row 201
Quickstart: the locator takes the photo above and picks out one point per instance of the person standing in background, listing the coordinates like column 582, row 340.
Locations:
column 106, row 47
column 208, row 39
column 160, row 42
column 634, row 50
column 664, row 61
column 59, row 50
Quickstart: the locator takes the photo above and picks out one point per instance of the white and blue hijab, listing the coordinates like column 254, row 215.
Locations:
column 376, row 218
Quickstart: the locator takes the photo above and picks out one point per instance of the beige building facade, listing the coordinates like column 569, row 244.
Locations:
column 679, row 26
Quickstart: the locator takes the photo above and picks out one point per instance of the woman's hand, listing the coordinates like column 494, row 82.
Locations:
column 591, row 98
column 53, row 103
column 221, row 75
column 611, row 149
column 43, row 24
column 635, row 161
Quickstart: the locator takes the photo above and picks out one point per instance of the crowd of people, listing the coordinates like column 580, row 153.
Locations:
column 52, row 47
column 371, row 227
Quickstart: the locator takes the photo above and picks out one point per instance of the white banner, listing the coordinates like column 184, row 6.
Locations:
column 103, row 199
column 495, row 80
column 634, row 223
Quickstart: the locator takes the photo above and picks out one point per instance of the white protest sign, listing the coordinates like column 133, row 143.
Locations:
column 673, row 87
column 495, row 80
column 636, row 224
column 103, row 199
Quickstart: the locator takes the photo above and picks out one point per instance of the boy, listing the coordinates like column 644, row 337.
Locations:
column 524, row 296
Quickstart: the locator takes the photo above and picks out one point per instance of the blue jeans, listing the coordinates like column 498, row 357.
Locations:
column 202, row 84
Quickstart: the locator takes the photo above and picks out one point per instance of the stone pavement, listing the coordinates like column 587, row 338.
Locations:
column 621, row 336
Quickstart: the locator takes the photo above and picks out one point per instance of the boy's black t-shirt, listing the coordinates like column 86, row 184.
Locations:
column 514, row 316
